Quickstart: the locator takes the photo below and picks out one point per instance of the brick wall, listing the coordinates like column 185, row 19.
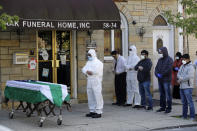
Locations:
column 9, row 44
column 82, row 37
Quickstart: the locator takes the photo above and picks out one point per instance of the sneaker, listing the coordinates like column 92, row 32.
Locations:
column 192, row 119
column 160, row 110
column 127, row 105
column 167, row 111
column 149, row 108
column 90, row 114
column 96, row 115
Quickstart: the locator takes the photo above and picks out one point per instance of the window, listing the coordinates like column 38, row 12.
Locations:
column 107, row 43
column 159, row 21
column 112, row 41
column 159, row 44
column 118, row 41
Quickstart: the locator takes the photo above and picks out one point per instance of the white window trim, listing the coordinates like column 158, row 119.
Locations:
column 125, row 39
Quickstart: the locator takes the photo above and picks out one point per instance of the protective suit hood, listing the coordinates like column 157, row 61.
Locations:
column 92, row 52
column 133, row 59
column 134, row 50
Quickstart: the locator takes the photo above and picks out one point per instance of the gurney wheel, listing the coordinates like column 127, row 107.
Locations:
column 40, row 124
column 68, row 106
column 28, row 113
column 11, row 115
column 59, row 122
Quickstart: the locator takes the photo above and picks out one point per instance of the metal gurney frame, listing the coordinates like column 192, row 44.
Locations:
column 37, row 96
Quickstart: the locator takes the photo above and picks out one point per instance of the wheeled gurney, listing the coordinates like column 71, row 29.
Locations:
column 38, row 96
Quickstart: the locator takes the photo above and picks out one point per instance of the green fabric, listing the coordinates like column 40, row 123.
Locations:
column 67, row 98
column 33, row 96
column 24, row 95
column 56, row 92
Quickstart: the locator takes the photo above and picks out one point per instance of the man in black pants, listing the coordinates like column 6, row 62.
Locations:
column 120, row 78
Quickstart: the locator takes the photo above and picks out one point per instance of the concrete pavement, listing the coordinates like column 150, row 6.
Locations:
column 115, row 118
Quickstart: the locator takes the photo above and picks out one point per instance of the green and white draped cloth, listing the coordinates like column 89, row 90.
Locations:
column 36, row 91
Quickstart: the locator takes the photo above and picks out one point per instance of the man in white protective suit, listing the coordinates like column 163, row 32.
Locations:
column 94, row 72
column 133, row 95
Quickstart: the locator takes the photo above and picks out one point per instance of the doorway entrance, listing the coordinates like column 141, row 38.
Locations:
column 54, row 56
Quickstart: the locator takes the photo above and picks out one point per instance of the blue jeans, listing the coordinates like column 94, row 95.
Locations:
column 165, row 93
column 186, row 98
column 144, row 88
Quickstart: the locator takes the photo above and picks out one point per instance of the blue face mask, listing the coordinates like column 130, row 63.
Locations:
column 90, row 58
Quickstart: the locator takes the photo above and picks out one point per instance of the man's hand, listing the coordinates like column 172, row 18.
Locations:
column 176, row 68
column 159, row 75
column 131, row 69
column 89, row 73
column 140, row 68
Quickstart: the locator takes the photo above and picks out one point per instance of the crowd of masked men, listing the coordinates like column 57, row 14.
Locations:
column 133, row 80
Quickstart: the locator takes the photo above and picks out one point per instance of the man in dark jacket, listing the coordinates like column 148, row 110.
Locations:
column 143, row 67
column 163, row 71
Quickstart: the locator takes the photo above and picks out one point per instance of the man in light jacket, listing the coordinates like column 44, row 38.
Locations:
column 186, row 79
column 195, row 66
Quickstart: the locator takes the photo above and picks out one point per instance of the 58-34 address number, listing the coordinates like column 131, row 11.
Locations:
column 110, row 25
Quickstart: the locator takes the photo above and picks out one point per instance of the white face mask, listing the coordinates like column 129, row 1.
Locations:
column 131, row 53
column 177, row 58
column 142, row 57
column 184, row 62
column 160, row 55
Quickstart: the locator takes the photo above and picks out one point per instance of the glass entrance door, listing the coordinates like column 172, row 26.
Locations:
column 54, row 56
column 63, row 57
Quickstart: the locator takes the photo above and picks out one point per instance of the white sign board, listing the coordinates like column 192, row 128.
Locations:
column 20, row 58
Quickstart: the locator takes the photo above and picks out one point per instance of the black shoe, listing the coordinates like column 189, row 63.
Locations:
column 160, row 110
column 127, row 105
column 90, row 114
column 137, row 106
column 149, row 108
column 115, row 103
column 167, row 111
column 121, row 104
column 96, row 116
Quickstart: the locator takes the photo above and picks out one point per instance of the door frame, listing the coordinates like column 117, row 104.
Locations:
column 54, row 58
column 170, row 48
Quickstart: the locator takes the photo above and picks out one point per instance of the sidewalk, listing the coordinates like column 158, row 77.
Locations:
column 115, row 118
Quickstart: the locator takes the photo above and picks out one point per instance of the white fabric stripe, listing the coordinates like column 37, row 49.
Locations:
column 63, row 87
column 24, row 85
column 64, row 91
column 47, row 93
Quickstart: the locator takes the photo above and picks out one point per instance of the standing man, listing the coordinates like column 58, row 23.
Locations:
column 175, row 68
column 144, row 67
column 186, row 79
column 195, row 66
column 120, row 78
column 163, row 71
column 132, row 83
column 94, row 72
